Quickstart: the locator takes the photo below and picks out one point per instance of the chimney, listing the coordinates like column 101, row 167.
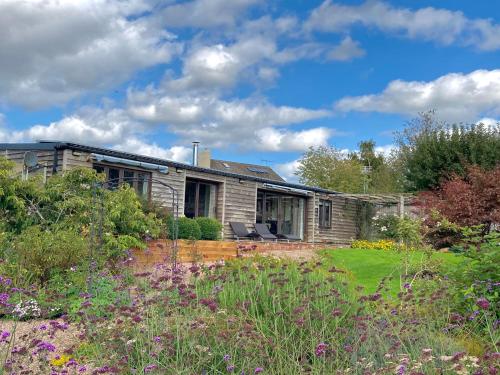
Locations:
column 204, row 158
column 195, row 153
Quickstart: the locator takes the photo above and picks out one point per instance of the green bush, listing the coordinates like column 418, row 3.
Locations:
column 189, row 229
column 210, row 228
column 42, row 253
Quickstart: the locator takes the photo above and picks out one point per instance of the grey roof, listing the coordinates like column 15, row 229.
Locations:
column 252, row 170
column 55, row 145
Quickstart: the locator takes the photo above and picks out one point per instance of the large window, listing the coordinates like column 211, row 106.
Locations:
column 139, row 180
column 284, row 214
column 325, row 213
column 200, row 199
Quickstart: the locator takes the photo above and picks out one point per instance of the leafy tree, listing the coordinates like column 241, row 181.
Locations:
column 430, row 150
column 330, row 168
column 467, row 201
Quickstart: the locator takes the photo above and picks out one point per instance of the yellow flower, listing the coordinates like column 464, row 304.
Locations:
column 60, row 360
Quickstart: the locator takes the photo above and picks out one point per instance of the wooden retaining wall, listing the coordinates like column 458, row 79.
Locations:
column 160, row 251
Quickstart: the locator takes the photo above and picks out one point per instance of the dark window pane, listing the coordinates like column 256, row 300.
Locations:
column 128, row 177
column 113, row 176
column 190, row 199
column 143, row 185
column 99, row 169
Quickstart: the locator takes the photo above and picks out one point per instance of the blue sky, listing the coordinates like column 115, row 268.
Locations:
column 255, row 81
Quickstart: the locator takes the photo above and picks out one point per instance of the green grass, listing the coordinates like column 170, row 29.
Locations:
column 367, row 267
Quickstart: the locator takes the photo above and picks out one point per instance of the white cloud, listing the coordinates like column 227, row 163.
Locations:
column 54, row 51
column 98, row 127
column 440, row 25
column 91, row 126
column 456, row 97
column 347, row 50
column 271, row 139
column 488, row 121
column 385, row 150
column 206, row 13
column 176, row 153
column 221, row 123
column 287, row 170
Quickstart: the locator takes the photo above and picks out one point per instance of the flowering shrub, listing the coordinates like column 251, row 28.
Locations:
column 385, row 226
column 374, row 245
column 262, row 315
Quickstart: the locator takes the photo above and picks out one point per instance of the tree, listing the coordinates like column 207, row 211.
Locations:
column 467, row 201
column 430, row 150
column 330, row 168
column 333, row 169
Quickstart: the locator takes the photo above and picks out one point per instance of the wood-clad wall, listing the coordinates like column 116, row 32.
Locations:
column 344, row 226
column 240, row 203
column 76, row 159
column 45, row 157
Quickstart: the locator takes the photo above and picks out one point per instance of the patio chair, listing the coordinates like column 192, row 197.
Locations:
column 264, row 233
column 241, row 232
column 289, row 237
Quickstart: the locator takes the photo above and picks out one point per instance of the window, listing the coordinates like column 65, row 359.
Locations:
column 325, row 213
column 116, row 176
column 200, row 199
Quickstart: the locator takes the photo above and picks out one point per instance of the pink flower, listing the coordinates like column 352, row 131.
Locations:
column 483, row 303
column 321, row 349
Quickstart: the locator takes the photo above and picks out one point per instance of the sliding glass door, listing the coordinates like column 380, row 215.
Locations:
column 200, row 199
column 284, row 214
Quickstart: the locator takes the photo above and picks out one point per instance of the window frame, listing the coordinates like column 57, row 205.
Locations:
column 198, row 182
column 121, row 178
column 323, row 204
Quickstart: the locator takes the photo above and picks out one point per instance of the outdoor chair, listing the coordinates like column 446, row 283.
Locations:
column 264, row 233
column 241, row 232
column 288, row 237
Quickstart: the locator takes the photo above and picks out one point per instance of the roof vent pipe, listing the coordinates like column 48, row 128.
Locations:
column 195, row 153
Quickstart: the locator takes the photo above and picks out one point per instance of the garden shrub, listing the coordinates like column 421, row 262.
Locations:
column 189, row 229
column 42, row 253
column 440, row 232
column 386, row 226
column 210, row 228
column 478, row 275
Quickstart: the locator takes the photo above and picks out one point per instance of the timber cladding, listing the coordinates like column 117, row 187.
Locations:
column 344, row 220
column 240, row 203
column 45, row 157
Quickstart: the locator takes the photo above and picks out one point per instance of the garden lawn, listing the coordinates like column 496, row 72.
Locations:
column 368, row 267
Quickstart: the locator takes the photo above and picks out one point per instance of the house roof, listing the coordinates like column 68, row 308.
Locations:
column 252, row 170
column 55, row 145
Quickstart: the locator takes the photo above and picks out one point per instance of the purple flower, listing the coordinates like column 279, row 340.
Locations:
column 4, row 297
column 321, row 349
column 226, row 357
column 407, row 286
column 46, row 346
column 474, row 314
column 157, row 339
column 82, row 369
column 4, row 335
column 483, row 303
column 258, row 370
column 230, row 368
column 150, row 368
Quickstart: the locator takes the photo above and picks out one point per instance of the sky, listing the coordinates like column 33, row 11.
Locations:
column 254, row 81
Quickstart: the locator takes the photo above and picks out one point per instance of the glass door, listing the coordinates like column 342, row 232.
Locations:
column 284, row 214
